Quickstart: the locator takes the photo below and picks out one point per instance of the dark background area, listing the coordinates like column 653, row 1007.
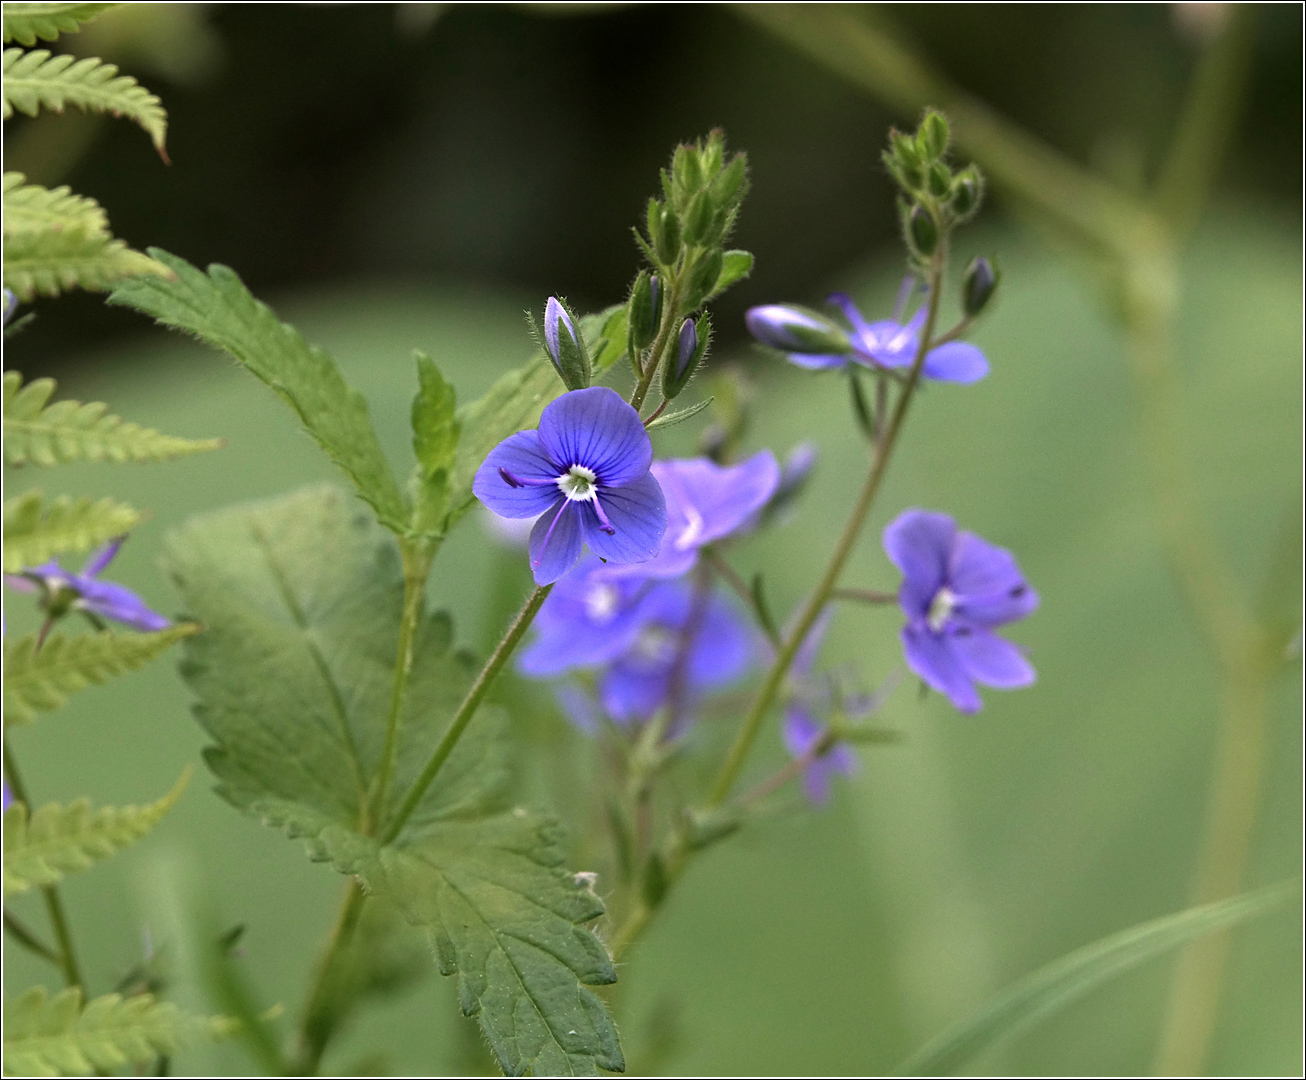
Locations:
column 516, row 145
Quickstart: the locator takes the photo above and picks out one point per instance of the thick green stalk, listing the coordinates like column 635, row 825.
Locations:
column 467, row 709
column 53, row 904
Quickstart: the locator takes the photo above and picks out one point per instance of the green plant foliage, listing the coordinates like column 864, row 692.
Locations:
column 67, row 431
column 56, row 1036
column 435, row 442
column 34, row 531
column 37, row 80
column 58, row 840
column 300, row 598
column 57, row 260
column 32, row 208
column 218, row 309
column 735, row 266
column 40, row 679
column 24, row 23
column 1073, row 975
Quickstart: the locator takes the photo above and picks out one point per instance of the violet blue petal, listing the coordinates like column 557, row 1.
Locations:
column 631, row 692
column 805, row 657
column 817, row 361
column 19, row 583
column 638, row 514
column 956, row 361
column 991, row 660
column 723, row 648
column 597, row 429
column 919, row 543
column 555, row 313
column 555, row 543
column 522, row 457
column 801, row 730
column 844, row 303
column 587, row 619
column 117, row 602
column 102, row 558
column 990, row 589
column 932, row 658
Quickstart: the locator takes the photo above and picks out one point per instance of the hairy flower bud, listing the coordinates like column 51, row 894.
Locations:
column 566, row 346
column 691, row 347
column 932, row 137
column 978, row 286
column 939, row 180
column 703, row 279
column 966, row 192
column 796, row 330
column 923, row 230
column 645, row 310
column 666, row 244
column 698, row 219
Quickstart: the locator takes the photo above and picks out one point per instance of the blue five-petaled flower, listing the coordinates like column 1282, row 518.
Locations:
column 956, row 588
column 63, row 590
column 585, row 472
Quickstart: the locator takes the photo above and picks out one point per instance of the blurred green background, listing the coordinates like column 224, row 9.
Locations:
column 413, row 177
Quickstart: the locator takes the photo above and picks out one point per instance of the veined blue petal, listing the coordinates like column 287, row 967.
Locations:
column 597, row 429
column 522, row 457
column 957, row 361
column 990, row 589
column 637, row 513
column 555, row 543
column 919, row 543
column 932, row 658
column 118, row 603
column 991, row 660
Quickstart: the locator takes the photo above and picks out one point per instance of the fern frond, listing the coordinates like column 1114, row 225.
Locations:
column 70, row 431
column 25, row 23
column 56, row 1036
column 59, row 840
column 40, row 679
column 35, row 531
column 55, row 260
column 32, row 208
column 37, row 80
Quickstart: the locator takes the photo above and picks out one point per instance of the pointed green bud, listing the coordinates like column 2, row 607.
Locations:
column 967, row 191
column 904, row 149
column 730, row 185
column 703, row 278
column 932, row 136
column 691, row 348
column 645, row 310
column 566, row 345
column 923, row 231
column 667, row 244
column 697, row 223
column 940, row 180
column 978, row 285
column 687, row 168
column 714, row 152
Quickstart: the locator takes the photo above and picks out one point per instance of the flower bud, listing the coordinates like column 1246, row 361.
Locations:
column 698, row 219
column 932, row 136
column 687, row 168
column 940, row 180
column 730, row 184
column 645, row 310
column 794, row 329
column 978, row 286
column 966, row 192
column 666, row 245
column 924, row 232
column 904, row 149
column 565, row 346
column 11, row 305
column 703, row 278
column 691, row 347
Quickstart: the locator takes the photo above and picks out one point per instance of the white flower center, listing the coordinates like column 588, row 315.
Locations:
column 940, row 608
column 602, row 601
column 578, row 483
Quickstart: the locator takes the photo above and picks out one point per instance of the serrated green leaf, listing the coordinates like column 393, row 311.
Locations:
column 40, row 679
column 667, row 419
column 735, row 266
column 56, row 1036
column 55, row 260
column 32, row 208
column 70, row 431
column 301, row 601
column 37, row 80
column 218, row 309
column 58, row 840
column 1062, row 981
column 35, row 531
column 24, row 23
column 605, row 336
column 435, row 442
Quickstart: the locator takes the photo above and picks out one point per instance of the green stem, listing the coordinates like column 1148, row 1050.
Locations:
column 30, row 941
column 670, row 311
column 864, row 596
column 53, row 904
column 417, row 568
column 322, row 1013
column 466, row 710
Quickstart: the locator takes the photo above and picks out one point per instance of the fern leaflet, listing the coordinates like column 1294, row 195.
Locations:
column 32, row 208
column 25, row 23
column 54, row 260
column 35, row 531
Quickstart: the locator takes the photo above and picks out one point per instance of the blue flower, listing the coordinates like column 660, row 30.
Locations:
column 802, row 729
column 956, row 588
column 706, row 502
column 585, row 472
column 62, row 591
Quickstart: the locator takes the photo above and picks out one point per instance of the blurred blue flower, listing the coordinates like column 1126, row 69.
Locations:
column 802, row 729
column 62, row 591
column 888, row 343
column 956, row 588
column 585, row 472
column 706, row 502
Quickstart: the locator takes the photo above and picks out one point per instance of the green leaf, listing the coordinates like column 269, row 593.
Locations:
column 217, row 308
column 25, row 23
column 605, row 336
column 56, row 1036
column 34, row 531
column 40, row 679
column 32, row 208
column 70, row 431
column 435, row 442
column 301, row 599
column 676, row 417
column 1062, row 981
column 37, row 80
column 59, row 840
column 735, row 266
column 55, row 260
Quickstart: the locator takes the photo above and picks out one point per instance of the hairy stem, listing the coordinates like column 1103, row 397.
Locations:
column 467, row 709
column 72, row 974
column 322, row 1013
column 670, row 312
column 417, row 568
